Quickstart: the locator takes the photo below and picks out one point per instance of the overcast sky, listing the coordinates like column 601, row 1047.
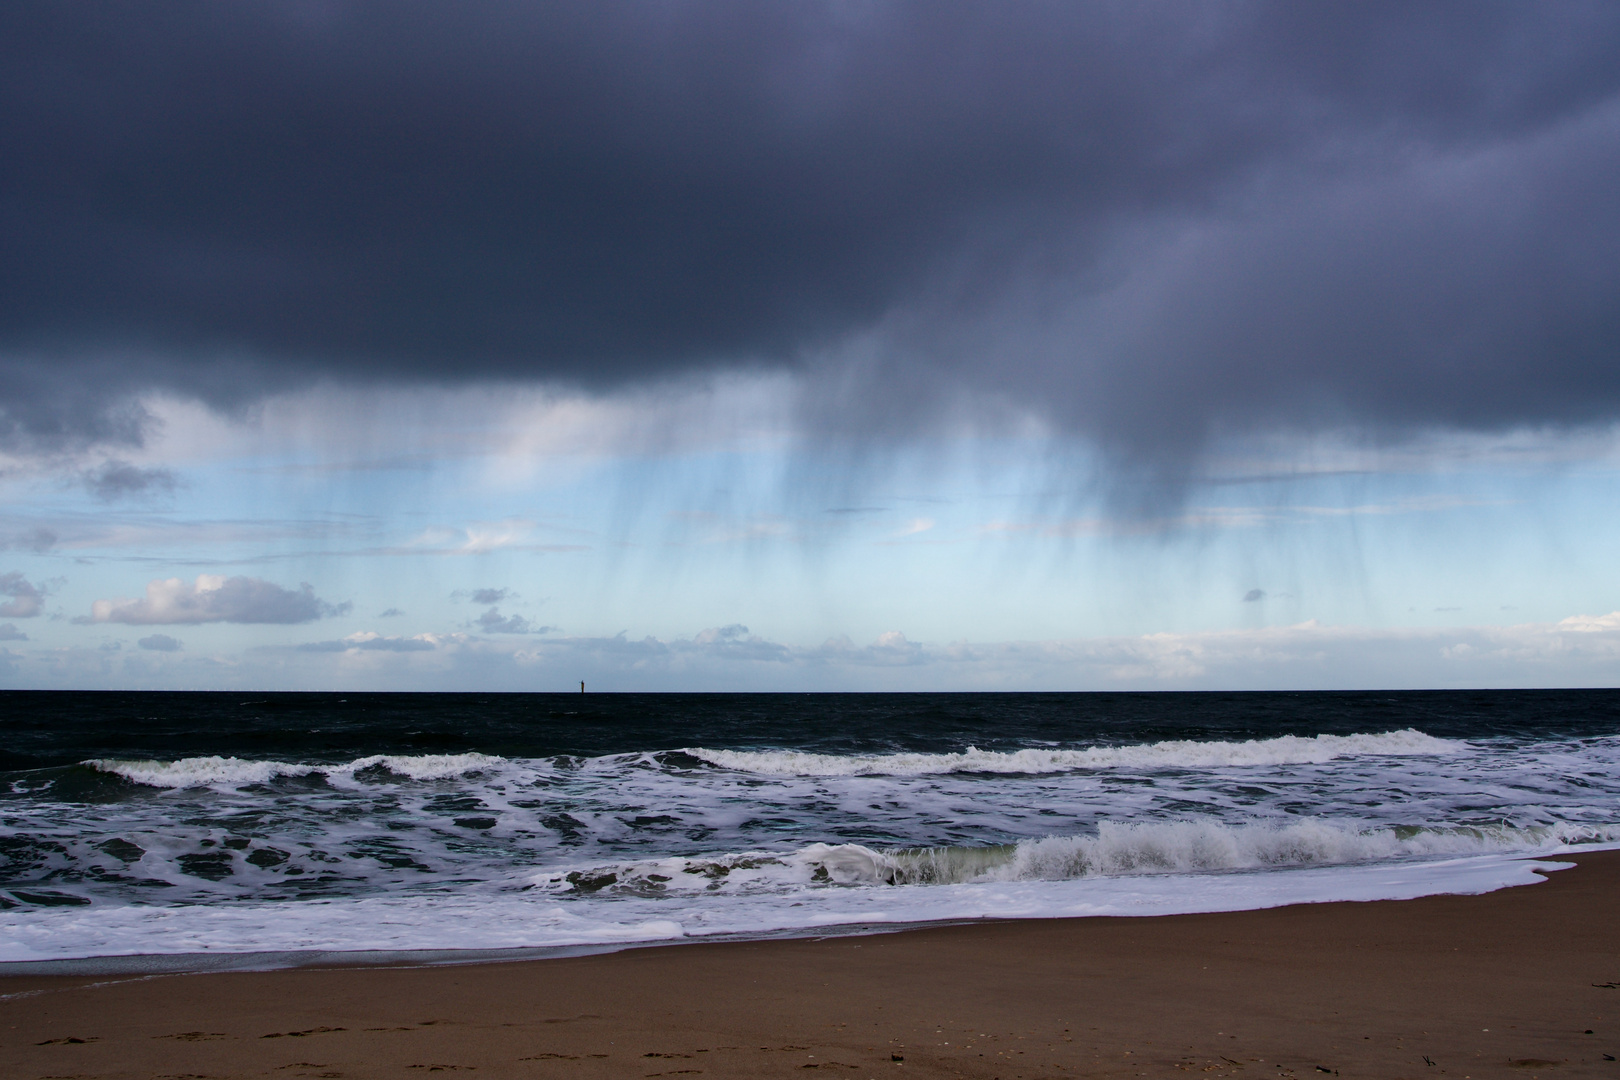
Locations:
column 809, row 346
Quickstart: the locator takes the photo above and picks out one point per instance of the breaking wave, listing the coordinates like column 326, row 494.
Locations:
column 1118, row 849
column 1182, row 754
column 1286, row 750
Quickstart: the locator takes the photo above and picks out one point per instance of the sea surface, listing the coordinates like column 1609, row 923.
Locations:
column 297, row 824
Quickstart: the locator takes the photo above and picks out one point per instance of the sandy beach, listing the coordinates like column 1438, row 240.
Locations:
column 1521, row 982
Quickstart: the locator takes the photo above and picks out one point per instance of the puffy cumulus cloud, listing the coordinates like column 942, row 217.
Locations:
column 490, row 596
column 215, row 598
column 27, row 599
column 1148, row 225
column 891, row 649
column 734, row 642
column 160, row 643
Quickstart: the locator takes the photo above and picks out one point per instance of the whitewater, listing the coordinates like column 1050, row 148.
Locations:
column 475, row 850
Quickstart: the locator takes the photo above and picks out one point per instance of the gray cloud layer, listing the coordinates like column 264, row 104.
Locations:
column 1152, row 223
column 25, row 598
column 211, row 598
column 116, row 479
column 493, row 622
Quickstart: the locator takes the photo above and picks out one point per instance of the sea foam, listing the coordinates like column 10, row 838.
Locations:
column 236, row 772
column 531, row 920
column 1178, row 754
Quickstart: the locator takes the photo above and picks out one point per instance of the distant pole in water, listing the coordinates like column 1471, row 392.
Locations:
column 582, row 686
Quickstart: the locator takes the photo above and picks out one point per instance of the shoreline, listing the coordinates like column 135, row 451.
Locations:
column 1508, row 983
column 389, row 931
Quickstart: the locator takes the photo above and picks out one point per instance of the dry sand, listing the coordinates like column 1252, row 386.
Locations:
column 1467, row 986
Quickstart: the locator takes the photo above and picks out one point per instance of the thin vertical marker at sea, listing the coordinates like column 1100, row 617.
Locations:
column 215, row 823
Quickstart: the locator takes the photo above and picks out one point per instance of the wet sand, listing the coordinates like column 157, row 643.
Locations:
column 1500, row 985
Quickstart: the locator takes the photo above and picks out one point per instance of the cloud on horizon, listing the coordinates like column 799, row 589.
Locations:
column 1576, row 651
column 1147, row 226
column 371, row 641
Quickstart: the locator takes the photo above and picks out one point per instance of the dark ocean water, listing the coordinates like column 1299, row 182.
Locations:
column 143, row 822
column 40, row 729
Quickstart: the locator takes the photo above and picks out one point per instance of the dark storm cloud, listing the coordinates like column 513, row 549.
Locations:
column 1152, row 223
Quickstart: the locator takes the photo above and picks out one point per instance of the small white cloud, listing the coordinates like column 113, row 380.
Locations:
column 371, row 641
column 490, row 536
column 917, row 525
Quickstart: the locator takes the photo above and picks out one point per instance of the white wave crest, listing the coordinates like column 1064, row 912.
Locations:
column 1181, row 754
column 236, row 772
column 1182, row 847
column 1117, row 850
